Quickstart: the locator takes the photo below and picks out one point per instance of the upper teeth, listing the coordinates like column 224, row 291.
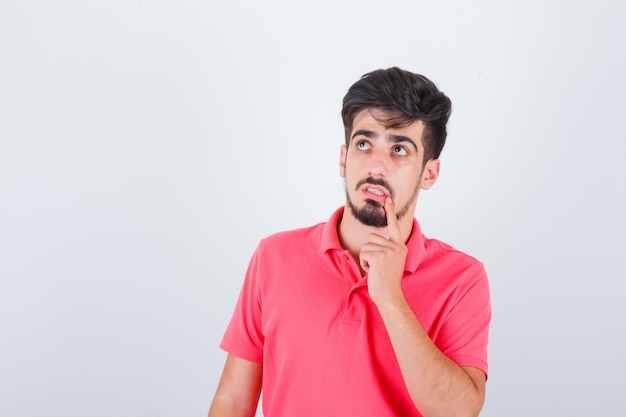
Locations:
column 375, row 191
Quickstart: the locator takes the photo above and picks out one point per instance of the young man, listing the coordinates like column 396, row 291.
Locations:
column 363, row 315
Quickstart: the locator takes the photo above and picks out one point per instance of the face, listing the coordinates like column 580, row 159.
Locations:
column 381, row 162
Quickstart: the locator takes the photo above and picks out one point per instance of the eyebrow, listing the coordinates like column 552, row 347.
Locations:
column 392, row 138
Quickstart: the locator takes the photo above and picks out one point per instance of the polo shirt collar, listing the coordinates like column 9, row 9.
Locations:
column 416, row 249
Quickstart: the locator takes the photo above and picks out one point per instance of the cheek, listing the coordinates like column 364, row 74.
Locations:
column 347, row 170
column 410, row 181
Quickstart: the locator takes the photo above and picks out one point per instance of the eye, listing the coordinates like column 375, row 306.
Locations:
column 362, row 145
column 400, row 150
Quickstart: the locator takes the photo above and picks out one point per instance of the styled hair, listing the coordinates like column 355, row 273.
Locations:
column 403, row 97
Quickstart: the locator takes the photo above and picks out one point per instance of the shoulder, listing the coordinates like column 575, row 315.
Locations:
column 453, row 276
column 280, row 254
column 439, row 248
column 442, row 255
column 288, row 239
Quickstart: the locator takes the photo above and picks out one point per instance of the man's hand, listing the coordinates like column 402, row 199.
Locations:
column 384, row 258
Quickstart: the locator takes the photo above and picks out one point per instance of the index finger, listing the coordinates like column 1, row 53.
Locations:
column 392, row 221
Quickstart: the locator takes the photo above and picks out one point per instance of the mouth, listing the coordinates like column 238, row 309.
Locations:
column 374, row 190
column 375, row 193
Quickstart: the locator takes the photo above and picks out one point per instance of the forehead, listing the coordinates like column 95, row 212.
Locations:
column 386, row 124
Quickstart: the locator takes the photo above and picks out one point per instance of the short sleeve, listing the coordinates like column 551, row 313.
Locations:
column 465, row 334
column 244, row 336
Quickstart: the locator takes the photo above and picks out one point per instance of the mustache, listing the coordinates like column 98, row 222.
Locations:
column 375, row 181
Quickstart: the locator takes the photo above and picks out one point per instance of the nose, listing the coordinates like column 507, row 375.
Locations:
column 378, row 165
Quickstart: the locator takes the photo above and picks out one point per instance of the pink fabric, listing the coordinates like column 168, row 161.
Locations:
column 305, row 313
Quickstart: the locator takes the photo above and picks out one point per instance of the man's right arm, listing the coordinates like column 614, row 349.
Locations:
column 239, row 389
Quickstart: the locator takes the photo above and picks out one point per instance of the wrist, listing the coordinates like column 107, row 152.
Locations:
column 389, row 298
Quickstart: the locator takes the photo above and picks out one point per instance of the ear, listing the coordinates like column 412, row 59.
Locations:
column 342, row 160
column 430, row 173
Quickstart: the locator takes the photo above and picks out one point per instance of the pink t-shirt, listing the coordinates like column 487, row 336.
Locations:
column 304, row 313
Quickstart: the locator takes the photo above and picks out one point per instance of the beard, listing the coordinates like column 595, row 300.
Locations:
column 372, row 213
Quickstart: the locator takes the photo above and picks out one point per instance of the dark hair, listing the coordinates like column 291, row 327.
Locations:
column 404, row 97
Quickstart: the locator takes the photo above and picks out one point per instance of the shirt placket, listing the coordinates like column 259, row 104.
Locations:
column 356, row 297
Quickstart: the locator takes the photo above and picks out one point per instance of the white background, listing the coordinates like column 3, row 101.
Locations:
column 146, row 146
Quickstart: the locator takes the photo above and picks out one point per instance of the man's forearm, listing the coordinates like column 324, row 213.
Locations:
column 437, row 385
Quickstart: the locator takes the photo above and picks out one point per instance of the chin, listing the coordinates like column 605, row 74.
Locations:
column 371, row 214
